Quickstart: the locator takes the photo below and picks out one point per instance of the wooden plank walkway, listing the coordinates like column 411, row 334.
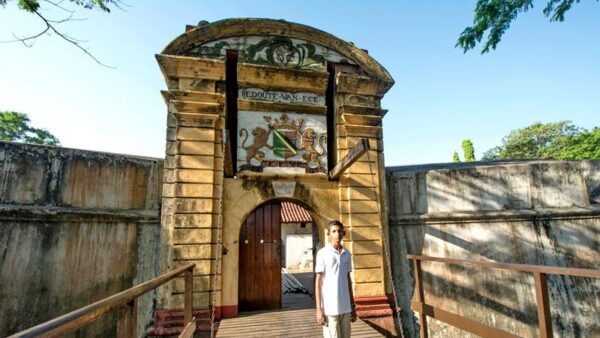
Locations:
column 285, row 323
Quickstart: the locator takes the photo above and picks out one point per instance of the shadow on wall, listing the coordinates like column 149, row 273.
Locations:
column 75, row 226
column 533, row 213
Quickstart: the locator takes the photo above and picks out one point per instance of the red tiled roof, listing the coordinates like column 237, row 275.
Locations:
column 293, row 213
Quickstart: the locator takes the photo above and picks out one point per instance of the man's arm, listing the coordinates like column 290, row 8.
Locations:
column 318, row 290
column 353, row 315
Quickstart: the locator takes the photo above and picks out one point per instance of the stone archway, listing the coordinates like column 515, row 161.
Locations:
column 264, row 283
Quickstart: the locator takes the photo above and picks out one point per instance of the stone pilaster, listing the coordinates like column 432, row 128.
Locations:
column 360, row 190
column 192, row 186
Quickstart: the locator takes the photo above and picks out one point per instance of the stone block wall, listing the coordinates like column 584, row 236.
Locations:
column 75, row 227
column 530, row 212
column 358, row 106
column 193, row 180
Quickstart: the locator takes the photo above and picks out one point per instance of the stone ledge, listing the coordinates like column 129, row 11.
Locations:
column 37, row 212
column 497, row 215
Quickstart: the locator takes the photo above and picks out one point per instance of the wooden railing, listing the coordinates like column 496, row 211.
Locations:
column 125, row 302
column 541, row 295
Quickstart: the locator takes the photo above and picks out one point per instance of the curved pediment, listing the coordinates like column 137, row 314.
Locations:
column 274, row 42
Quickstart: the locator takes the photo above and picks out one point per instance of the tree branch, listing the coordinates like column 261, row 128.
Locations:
column 495, row 17
column 51, row 28
column 70, row 40
column 57, row 5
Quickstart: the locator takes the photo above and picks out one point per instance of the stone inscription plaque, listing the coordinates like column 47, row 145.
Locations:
column 258, row 94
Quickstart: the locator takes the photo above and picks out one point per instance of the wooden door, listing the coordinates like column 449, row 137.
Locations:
column 260, row 259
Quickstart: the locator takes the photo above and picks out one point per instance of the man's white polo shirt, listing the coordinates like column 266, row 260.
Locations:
column 335, row 266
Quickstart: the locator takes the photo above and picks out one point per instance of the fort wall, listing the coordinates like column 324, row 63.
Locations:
column 529, row 212
column 75, row 227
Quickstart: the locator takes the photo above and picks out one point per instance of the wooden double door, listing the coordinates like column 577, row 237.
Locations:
column 259, row 284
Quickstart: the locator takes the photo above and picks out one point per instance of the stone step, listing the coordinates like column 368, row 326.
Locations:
column 168, row 323
column 175, row 331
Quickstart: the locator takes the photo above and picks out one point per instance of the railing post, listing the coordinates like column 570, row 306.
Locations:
column 127, row 320
column 188, row 298
column 420, row 297
column 543, row 304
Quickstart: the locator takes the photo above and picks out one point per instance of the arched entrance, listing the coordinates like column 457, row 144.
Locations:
column 273, row 236
column 260, row 259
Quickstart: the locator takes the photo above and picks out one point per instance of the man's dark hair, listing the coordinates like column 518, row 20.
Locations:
column 334, row 222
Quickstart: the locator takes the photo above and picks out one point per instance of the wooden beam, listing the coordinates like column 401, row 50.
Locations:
column 188, row 300
column 353, row 155
column 424, row 331
column 189, row 329
column 127, row 320
column 462, row 323
column 87, row 314
column 543, row 305
column 552, row 270
column 227, row 156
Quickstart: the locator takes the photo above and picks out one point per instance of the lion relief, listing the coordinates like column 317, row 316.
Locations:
column 260, row 138
column 310, row 142
column 307, row 143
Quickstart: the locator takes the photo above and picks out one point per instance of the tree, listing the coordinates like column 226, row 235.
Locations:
column 468, row 150
column 496, row 16
column 455, row 157
column 50, row 25
column 585, row 146
column 558, row 140
column 15, row 127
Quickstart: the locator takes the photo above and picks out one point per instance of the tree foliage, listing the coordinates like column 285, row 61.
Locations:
column 495, row 17
column 584, row 146
column 51, row 24
column 455, row 157
column 468, row 150
column 559, row 140
column 16, row 127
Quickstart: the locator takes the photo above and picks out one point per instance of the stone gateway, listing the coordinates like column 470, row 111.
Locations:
column 286, row 102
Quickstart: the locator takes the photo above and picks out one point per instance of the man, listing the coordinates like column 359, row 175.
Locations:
column 333, row 289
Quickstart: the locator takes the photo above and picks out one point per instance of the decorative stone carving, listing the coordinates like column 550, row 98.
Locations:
column 280, row 142
column 274, row 51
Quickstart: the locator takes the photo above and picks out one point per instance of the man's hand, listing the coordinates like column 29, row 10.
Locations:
column 320, row 317
column 353, row 315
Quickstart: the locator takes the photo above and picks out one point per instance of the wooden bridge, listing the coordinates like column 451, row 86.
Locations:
column 302, row 323
column 286, row 323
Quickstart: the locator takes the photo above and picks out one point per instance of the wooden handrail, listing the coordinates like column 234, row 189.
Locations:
column 87, row 314
column 550, row 270
column 541, row 294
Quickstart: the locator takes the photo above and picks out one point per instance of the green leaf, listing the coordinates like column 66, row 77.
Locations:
column 493, row 17
column 468, row 150
column 29, row 5
column 16, row 127
column 558, row 140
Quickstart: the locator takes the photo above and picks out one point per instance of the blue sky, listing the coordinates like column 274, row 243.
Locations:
column 541, row 71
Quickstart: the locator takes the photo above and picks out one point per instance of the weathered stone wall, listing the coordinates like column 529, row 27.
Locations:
column 543, row 212
column 75, row 226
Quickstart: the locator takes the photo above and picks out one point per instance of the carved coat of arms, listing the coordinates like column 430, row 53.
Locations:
column 288, row 139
